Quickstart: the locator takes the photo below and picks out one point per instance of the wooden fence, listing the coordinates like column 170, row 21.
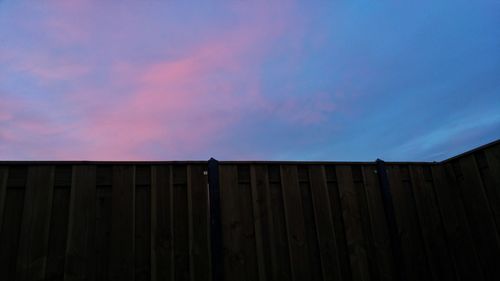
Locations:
column 278, row 220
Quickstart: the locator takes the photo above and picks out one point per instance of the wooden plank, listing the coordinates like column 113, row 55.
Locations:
column 436, row 247
column 359, row 189
column 9, row 235
column 58, row 234
column 62, row 177
column 356, row 242
column 161, row 224
column 245, row 204
column 199, row 225
column 415, row 261
column 490, row 174
column 280, row 254
column 294, row 214
column 3, row 190
column 326, row 236
column 262, row 215
column 338, row 221
column 180, row 223
column 17, row 176
column 103, row 232
column 231, row 224
column 142, row 233
column 314, row 257
column 33, row 244
column 480, row 217
column 80, row 245
column 121, row 266
column 455, row 223
column 379, row 227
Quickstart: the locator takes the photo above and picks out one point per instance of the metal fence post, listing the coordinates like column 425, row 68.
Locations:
column 391, row 220
column 215, row 220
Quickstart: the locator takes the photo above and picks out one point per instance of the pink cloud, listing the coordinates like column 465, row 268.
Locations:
column 177, row 104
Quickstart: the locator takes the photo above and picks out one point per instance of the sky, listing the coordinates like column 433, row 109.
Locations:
column 248, row 80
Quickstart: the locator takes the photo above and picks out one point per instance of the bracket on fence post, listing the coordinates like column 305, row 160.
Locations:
column 215, row 220
column 391, row 219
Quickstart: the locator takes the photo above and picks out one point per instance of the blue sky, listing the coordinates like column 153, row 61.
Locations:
column 248, row 80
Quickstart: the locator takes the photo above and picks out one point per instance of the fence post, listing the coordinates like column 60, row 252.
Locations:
column 215, row 220
column 391, row 220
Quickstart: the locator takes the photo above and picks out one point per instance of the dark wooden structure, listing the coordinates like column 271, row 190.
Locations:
column 258, row 221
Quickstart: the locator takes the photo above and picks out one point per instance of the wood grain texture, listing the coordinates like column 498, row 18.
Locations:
column 326, row 236
column 162, row 254
column 121, row 266
column 180, row 223
column 480, row 216
column 490, row 174
column 262, row 216
column 456, row 226
column 356, row 242
column 245, row 202
column 313, row 257
column 142, row 233
column 431, row 225
column 80, row 247
column 9, row 235
column 379, row 230
column 231, row 224
column 3, row 191
column 280, row 253
column 58, row 234
column 103, row 231
column 338, row 221
column 295, row 224
column 415, row 260
column 33, row 244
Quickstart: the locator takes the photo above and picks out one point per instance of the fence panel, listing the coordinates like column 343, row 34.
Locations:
column 280, row 220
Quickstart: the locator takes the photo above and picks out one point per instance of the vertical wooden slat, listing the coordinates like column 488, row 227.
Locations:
column 199, row 247
column 9, row 235
column 80, row 245
column 480, row 217
column 3, row 190
column 231, row 224
column 431, row 225
column 490, row 173
column 280, row 254
column 180, row 222
column 326, row 236
column 121, row 265
column 356, row 242
column 103, row 231
column 314, row 257
column 58, row 233
column 416, row 266
column 338, row 221
column 294, row 214
column 142, row 224
column 33, row 244
column 360, row 193
column 161, row 224
column 455, row 223
column 244, row 201
column 380, row 232
column 262, row 215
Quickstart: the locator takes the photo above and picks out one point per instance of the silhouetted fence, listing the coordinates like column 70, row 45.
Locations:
column 275, row 221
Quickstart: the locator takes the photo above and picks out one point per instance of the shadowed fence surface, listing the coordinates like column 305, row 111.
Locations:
column 278, row 220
